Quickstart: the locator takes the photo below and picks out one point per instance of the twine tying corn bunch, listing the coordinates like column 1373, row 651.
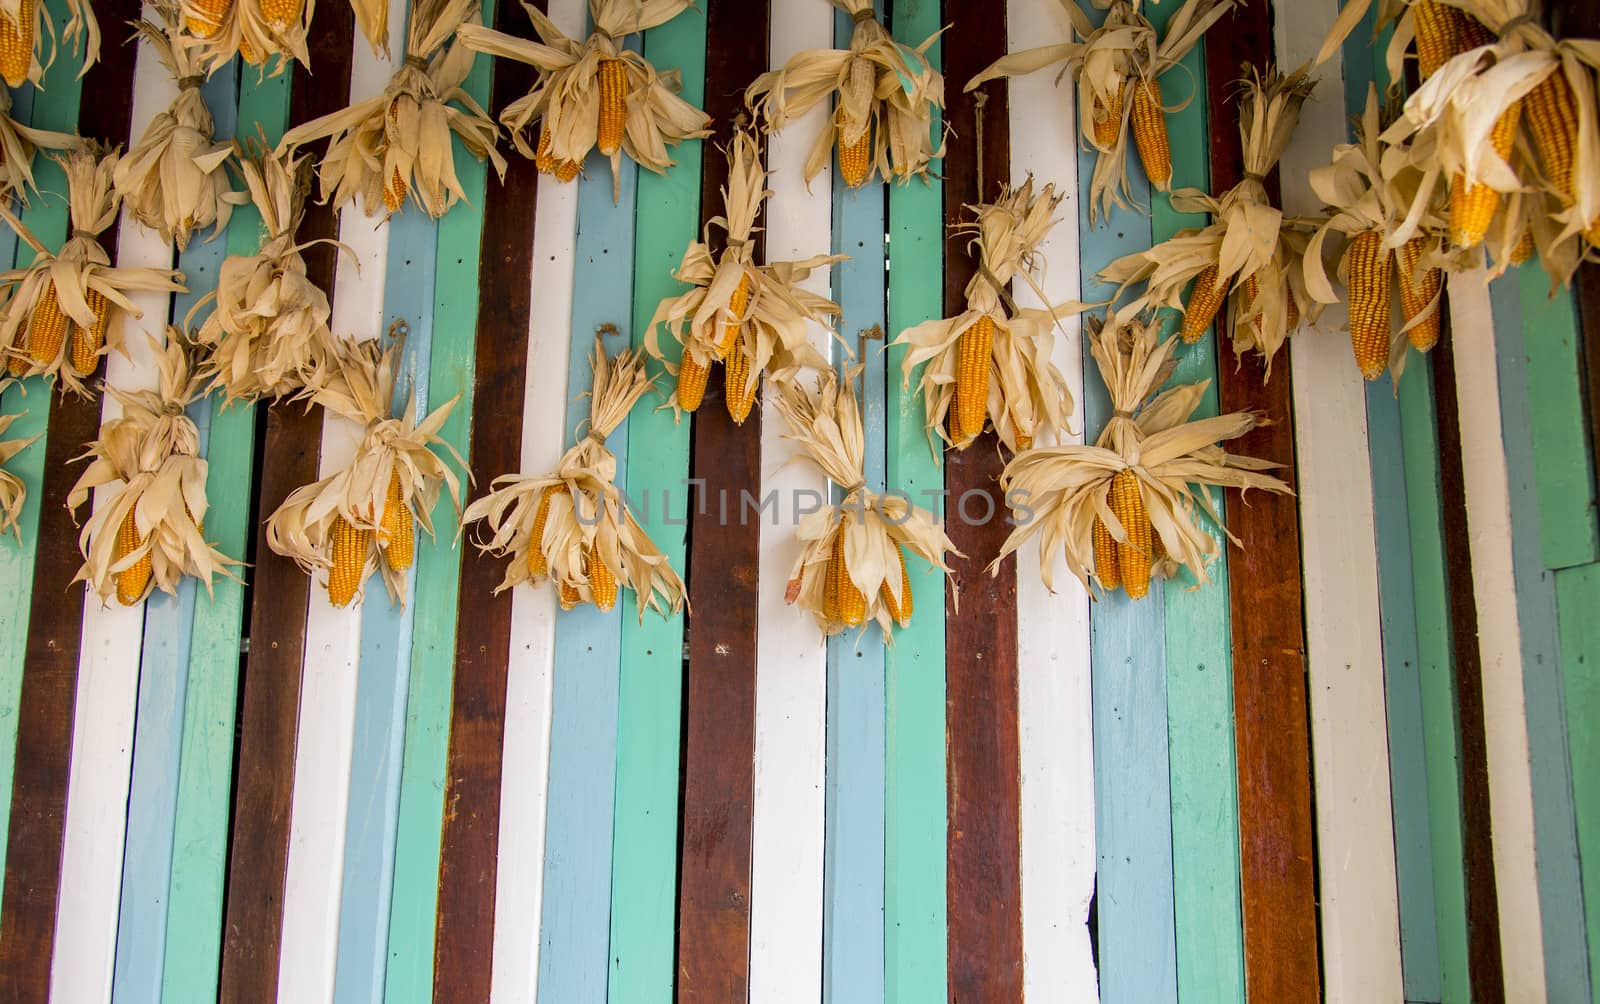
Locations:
column 852, row 565
column 17, row 145
column 572, row 527
column 991, row 363
column 364, row 517
column 399, row 142
column 24, row 26
column 884, row 95
column 595, row 94
column 60, row 316
column 1249, row 256
column 173, row 180
column 268, row 334
column 1126, row 509
column 257, row 30
column 1117, row 68
column 147, row 530
column 12, row 491
column 751, row 318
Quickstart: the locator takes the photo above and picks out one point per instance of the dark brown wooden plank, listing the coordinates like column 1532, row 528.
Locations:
column 469, row 841
column 983, row 876
column 1483, row 911
column 1272, row 730
column 55, row 616
column 720, row 699
column 279, row 591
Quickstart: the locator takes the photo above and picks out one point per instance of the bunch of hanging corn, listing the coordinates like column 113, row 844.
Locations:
column 256, row 30
column 63, row 307
column 24, row 27
column 12, row 491
column 1126, row 509
column 17, row 145
column 148, row 525
column 399, row 142
column 991, row 363
column 365, row 516
column 268, row 334
column 884, row 95
column 1117, row 66
column 572, row 527
column 1261, row 277
column 595, row 94
column 173, row 180
column 851, row 568
column 751, row 318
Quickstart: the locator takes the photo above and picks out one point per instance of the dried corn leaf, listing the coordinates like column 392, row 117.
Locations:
column 372, row 17
column 12, row 491
column 17, row 145
column 81, row 33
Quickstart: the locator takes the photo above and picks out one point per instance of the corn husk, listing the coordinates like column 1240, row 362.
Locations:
column 773, row 325
column 362, row 388
column 268, row 335
column 1028, row 396
column 246, row 31
column 173, row 180
column 1058, row 492
column 826, row 424
column 81, row 266
column 1106, row 62
column 372, row 17
column 17, row 145
column 1248, row 236
column 12, row 491
column 566, row 100
column 149, row 462
column 81, row 34
column 586, row 515
column 404, row 133
column 898, row 107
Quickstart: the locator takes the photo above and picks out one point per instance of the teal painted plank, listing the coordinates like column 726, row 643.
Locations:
column 1561, row 894
column 853, row 851
column 163, row 681
column 915, row 794
column 574, row 929
column 21, row 111
column 413, row 906
column 193, row 951
column 1577, row 599
column 644, row 854
column 1561, row 458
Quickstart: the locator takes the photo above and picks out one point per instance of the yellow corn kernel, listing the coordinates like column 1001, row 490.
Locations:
column 1371, row 266
column 566, row 170
column 974, row 350
column 133, row 581
column 602, row 580
column 47, row 326
column 1150, row 133
column 1105, row 557
column 692, row 378
column 855, row 160
column 280, row 14
column 204, row 18
column 86, row 342
column 1438, row 30
column 1474, row 33
column 1416, row 292
column 394, row 193
column 16, row 44
column 248, row 52
column 1205, row 299
column 543, row 159
column 900, row 612
column 350, row 545
column 1107, row 117
column 570, row 597
column 538, row 564
column 1133, row 558
column 398, row 528
column 849, row 606
column 17, row 362
column 1291, row 313
column 739, row 391
column 613, row 105
column 1553, row 120
column 1524, row 248
column 1472, row 206
column 736, row 307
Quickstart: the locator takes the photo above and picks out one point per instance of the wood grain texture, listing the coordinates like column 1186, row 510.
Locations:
column 983, row 881
column 49, row 684
column 719, row 719
column 1276, row 860
column 271, row 703
column 1577, row 598
column 464, row 935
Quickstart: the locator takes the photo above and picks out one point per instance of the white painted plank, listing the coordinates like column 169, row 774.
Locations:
column 786, row 859
column 1053, row 687
column 1488, row 497
column 525, row 752
column 1355, row 830
column 326, row 731
column 108, row 661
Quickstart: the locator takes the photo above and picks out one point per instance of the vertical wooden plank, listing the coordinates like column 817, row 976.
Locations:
column 644, row 863
column 1278, row 885
column 1577, row 598
column 983, row 882
column 1561, row 455
column 272, row 677
column 915, row 807
column 714, row 888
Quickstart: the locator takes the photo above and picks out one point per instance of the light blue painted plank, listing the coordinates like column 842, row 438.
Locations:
column 1561, row 894
column 574, row 930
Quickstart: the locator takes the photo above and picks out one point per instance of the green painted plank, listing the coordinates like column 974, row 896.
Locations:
column 1577, row 599
column 644, row 862
column 915, row 808
column 1561, row 458
column 409, row 977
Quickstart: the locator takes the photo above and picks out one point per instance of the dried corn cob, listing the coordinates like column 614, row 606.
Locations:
column 1108, row 117
column 280, row 14
column 1371, row 267
column 350, row 544
column 1439, row 34
column 692, row 379
column 398, row 528
column 613, row 106
column 1553, row 120
column 738, row 389
column 1473, row 205
column 1205, row 299
column 204, row 18
column 16, row 44
column 135, row 579
column 538, row 564
column 394, row 193
column 543, row 159
column 1105, row 557
column 849, row 606
column 570, row 597
column 736, row 307
column 1133, row 557
column 1524, row 248
column 971, row 403
column 47, row 327
column 1150, row 133
column 900, row 612
column 86, row 342
column 602, row 581
column 1416, row 292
